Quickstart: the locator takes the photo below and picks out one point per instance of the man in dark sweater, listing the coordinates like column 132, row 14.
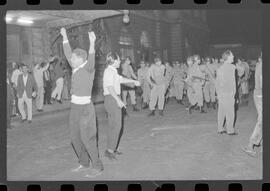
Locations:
column 82, row 119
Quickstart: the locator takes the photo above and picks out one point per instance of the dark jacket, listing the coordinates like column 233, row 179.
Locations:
column 29, row 88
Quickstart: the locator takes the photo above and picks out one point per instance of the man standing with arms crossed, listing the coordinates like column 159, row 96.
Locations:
column 82, row 118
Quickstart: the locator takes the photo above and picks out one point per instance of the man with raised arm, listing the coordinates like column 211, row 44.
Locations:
column 82, row 118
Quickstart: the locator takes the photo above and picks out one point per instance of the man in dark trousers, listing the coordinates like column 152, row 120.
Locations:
column 47, row 85
column 82, row 118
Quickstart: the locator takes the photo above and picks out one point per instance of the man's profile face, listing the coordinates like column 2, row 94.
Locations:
column 230, row 58
column 117, row 62
column 128, row 61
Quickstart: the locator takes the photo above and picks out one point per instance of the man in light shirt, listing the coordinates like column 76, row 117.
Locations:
column 113, row 103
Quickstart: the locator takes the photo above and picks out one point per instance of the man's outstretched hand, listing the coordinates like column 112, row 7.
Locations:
column 63, row 32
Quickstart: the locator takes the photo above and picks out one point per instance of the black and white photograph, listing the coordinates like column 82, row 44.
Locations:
column 134, row 95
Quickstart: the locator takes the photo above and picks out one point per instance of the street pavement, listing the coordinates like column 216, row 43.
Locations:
column 177, row 146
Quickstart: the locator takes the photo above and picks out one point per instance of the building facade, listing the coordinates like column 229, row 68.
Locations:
column 171, row 34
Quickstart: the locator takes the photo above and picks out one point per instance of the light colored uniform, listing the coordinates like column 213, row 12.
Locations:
column 226, row 88
column 197, row 96
column 244, row 84
column 156, row 72
column 127, row 72
column 178, row 77
column 256, row 136
column 142, row 77
column 209, row 89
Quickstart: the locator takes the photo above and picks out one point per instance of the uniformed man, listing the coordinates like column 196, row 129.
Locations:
column 157, row 81
column 245, row 84
column 239, row 79
column 209, row 88
column 169, row 74
column 195, row 79
column 142, row 77
column 256, row 137
column 128, row 72
column 226, row 88
column 178, row 81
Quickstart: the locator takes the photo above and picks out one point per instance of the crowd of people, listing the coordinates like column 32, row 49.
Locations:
column 193, row 80
column 207, row 82
column 48, row 83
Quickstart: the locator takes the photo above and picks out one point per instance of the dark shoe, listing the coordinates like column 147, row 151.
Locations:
column 161, row 113
column 118, row 152
column 151, row 114
column 29, row 121
column 145, row 106
column 214, row 105
column 202, row 110
column 124, row 111
column 232, row 133
column 110, row 155
column 49, row 103
column 221, row 132
column 208, row 105
column 40, row 110
column 180, row 102
column 190, row 109
column 52, row 99
column 59, row 101
column 135, row 108
column 23, row 120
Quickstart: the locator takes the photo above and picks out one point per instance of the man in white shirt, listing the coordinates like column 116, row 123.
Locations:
column 113, row 103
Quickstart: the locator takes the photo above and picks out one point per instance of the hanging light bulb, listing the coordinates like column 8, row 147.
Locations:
column 126, row 17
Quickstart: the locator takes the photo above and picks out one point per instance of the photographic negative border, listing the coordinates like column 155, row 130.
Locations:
column 6, row 5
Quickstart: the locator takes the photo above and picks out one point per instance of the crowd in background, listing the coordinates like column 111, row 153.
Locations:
column 52, row 83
